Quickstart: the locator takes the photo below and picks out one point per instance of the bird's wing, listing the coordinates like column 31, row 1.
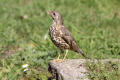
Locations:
column 67, row 37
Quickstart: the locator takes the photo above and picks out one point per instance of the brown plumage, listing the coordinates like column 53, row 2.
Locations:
column 60, row 36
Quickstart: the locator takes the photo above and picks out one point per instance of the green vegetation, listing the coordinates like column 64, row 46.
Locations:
column 24, row 24
column 104, row 70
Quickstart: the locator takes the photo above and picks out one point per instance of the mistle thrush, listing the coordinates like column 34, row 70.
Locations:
column 60, row 36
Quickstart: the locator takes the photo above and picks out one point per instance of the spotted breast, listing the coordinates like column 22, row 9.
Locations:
column 55, row 36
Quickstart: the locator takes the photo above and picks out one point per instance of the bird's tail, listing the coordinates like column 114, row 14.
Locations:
column 79, row 51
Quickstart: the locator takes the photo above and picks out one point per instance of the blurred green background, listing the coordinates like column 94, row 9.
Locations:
column 24, row 39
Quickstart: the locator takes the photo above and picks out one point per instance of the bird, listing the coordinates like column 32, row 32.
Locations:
column 61, row 37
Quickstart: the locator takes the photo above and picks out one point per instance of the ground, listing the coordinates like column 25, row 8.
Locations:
column 24, row 24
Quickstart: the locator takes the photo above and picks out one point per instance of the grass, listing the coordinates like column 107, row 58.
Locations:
column 103, row 70
column 24, row 24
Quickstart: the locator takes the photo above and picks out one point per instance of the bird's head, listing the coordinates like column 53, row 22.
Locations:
column 55, row 16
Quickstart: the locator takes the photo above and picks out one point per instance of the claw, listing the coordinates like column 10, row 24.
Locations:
column 58, row 60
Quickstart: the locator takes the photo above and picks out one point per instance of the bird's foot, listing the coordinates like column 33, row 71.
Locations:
column 58, row 60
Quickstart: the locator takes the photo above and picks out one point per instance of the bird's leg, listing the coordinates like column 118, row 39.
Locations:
column 58, row 58
column 65, row 54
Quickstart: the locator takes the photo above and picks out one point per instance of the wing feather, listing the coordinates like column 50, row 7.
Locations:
column 67, row 37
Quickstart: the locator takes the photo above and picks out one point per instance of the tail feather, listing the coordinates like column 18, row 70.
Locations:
column 79, row 51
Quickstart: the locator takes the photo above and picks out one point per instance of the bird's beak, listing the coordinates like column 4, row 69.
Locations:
column 49, row 13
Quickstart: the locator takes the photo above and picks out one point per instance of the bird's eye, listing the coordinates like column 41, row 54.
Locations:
column 54, row 14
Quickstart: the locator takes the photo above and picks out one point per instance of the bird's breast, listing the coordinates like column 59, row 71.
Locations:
column 56, row 37
column 54, row 32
